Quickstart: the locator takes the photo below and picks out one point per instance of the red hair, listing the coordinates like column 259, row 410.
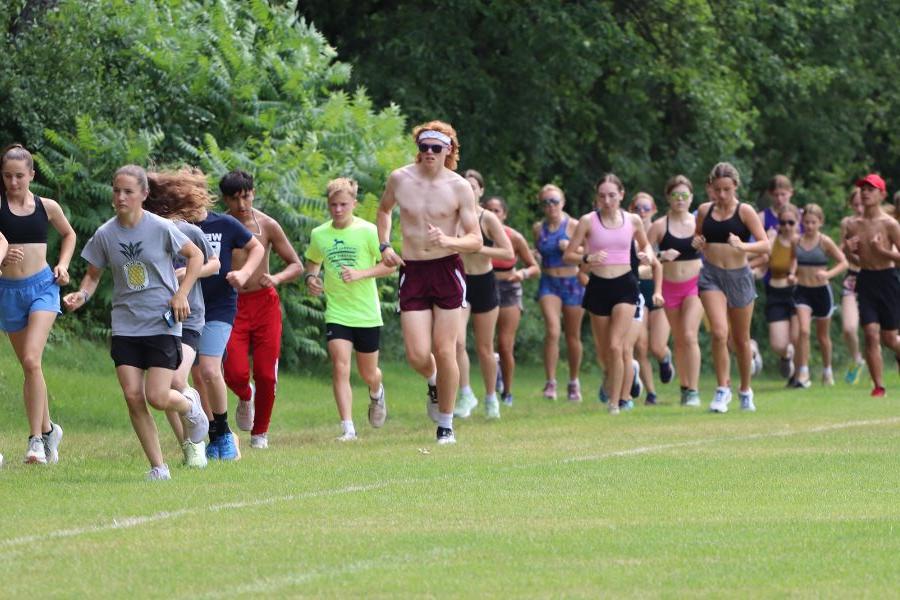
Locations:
column 453, row 157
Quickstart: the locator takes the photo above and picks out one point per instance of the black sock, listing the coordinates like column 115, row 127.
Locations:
column 221, row 422
column 46, row 433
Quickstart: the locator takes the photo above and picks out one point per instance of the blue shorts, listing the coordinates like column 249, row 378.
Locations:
column 21, row 297
column 214, row 338
column 568, row 289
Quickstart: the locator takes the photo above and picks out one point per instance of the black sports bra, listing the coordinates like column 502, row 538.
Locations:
column 684, row 245
column 487, row 241
column 30, row 229
column 716, row 232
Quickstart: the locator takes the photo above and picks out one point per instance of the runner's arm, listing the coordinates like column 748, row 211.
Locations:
column 832, row 250
column 471, row 240
column 75, row 300
column 532, row 269
column 66, row 240
column 502, row 248
column 293, row 266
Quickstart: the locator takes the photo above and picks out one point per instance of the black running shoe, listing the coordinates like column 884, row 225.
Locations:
column 445, row 436
column 666, row 372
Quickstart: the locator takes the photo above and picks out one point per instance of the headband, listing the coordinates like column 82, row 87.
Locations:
column 430, row 134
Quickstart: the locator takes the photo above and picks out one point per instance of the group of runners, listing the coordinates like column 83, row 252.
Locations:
column 178, row 345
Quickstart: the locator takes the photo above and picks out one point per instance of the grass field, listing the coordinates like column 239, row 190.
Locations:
column 555, row 500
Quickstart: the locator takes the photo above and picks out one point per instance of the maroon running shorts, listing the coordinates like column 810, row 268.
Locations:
column 426, row 283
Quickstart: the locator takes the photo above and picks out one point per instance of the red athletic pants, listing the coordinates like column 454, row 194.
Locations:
column 257, row 329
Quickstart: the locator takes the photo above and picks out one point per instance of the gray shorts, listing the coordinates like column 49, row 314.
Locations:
column 510, row 294
column 738, row 285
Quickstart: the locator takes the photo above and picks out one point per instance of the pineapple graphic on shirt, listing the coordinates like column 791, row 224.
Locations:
column 136, row 275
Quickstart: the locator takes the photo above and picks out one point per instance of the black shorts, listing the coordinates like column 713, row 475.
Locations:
column 190, row 338
column 365, row 339
column 779, row 303
column 481, row 292
column 819, row 299
column 646, row 287
column 878, row 294
column 144, row 352
column 601, row 294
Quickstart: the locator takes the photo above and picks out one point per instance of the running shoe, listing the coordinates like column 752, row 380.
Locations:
column 854, row 372
column 601, row 394
column 195, row 421
column 465, row 405
column 626, row 404
column 666, row 372
column 492, row 407
column 720, row 401
column 636, row 386
column 160, row 473
column 878, row 392
column 260, row 441
column 498, row 385
column 212, row 450
column 574, row 391
column 798, row 384
column 651, row 399
column 786, row 363
column 51, row 443
column 1, row 461
column 35, row 454
column 692, row 398
column 431, row 403
column 445, row 436
column 827, row 377
column 746, row 399
column 756, row 363
column 507, row 398
column 229, row 447
column 550, row 389
column 246, row 410
column 613, row 408
column 377, row 409
column 346, row 437
column 194, row 454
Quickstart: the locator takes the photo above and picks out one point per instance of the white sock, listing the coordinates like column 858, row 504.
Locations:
column 445, row 420
column 433, row 379
column 826, row 370
column 489, row 397
column 379, row 394
column 348, row 428
column 466, row 390
column 571, row 381
column 803, row 370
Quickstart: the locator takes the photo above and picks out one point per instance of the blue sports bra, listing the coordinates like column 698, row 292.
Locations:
column 548, row 245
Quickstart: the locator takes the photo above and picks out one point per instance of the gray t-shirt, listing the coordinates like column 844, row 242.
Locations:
column 140, row 258
column 196, row 319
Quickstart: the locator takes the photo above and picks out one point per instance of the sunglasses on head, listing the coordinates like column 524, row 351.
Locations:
column 786, row 222
column 551, row 201
column 679, row 195
column 435, row 148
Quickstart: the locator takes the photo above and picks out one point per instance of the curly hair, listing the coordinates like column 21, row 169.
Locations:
column 181, row 194
column 453, row 157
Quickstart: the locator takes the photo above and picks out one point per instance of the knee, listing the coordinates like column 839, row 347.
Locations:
column 31, row 364
column 134, row 398
column 179, row 383
column 418, row 359
column 689, row 338
column 371, row 376
column 552, row 332
column 505, row 345
column 158, row 400
column 719, row 335
column 210, row 373
column 872, row 336
column 443, row 353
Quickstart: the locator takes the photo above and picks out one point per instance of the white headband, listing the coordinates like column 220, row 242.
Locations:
column 430, row 134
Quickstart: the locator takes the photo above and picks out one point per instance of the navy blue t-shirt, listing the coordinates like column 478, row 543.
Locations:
column 224, row 233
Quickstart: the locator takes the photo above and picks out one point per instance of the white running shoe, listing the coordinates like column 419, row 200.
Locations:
column 492, row 407
column 746, row 399
column 465, row 405
column 692, row 398
column 259, row 441
column 51, row 443
column 445, row 436
column 35, row 454
column 246, row 410
column 194, row 454
column 756, row 362
column 195, row 421
column 637, row 386
column 720, row 400
column 347, row 437
column 160, row 473
column 431, row 403
column 1, row 461
column 377, row 409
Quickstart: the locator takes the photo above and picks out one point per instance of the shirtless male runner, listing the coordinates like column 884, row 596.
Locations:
column 435, row 203
column 872, row 241
column 257, row 326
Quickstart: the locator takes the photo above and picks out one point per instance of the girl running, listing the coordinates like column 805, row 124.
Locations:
column 780, row 282
column 849, row 305
column 347, row 248
column 148, row 307
column 559, row 290
column 726, row 284
column 509, row 285
column 812, row 295
column 29, row 290
column 612, row 294
column 673, row 235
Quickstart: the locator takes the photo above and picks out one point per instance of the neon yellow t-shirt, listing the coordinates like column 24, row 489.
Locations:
column 355, row 246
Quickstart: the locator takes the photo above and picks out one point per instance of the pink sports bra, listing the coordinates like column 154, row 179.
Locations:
column 615, row 242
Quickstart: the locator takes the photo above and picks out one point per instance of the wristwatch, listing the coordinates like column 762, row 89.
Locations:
column 383, row 246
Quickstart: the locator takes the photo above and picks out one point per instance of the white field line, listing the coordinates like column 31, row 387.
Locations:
column 131, row 522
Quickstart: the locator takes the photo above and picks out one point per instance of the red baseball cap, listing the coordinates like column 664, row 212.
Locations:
column 873, row 179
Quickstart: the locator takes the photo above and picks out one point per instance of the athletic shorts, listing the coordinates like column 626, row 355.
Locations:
column 779, row 303
column 144, row 352
column 602, row 294
column 21, row 297
column 510, row 294
column 214, row 338
column 878, row 293
column 567, row 289
column 818, row 299
column 848, row 287
column 646, row 287
column 674, row 292
column 428, row 283
column 365, row 339
column 190, row 338
column 481, row 292
column 738, row 284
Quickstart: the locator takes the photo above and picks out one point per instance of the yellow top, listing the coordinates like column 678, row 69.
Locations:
column 780, row 260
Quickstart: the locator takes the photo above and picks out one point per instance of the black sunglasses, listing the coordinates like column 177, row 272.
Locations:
column 435, row 148
column 791, row 223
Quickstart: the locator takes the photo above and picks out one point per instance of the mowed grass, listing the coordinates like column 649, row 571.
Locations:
column 554, row 500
